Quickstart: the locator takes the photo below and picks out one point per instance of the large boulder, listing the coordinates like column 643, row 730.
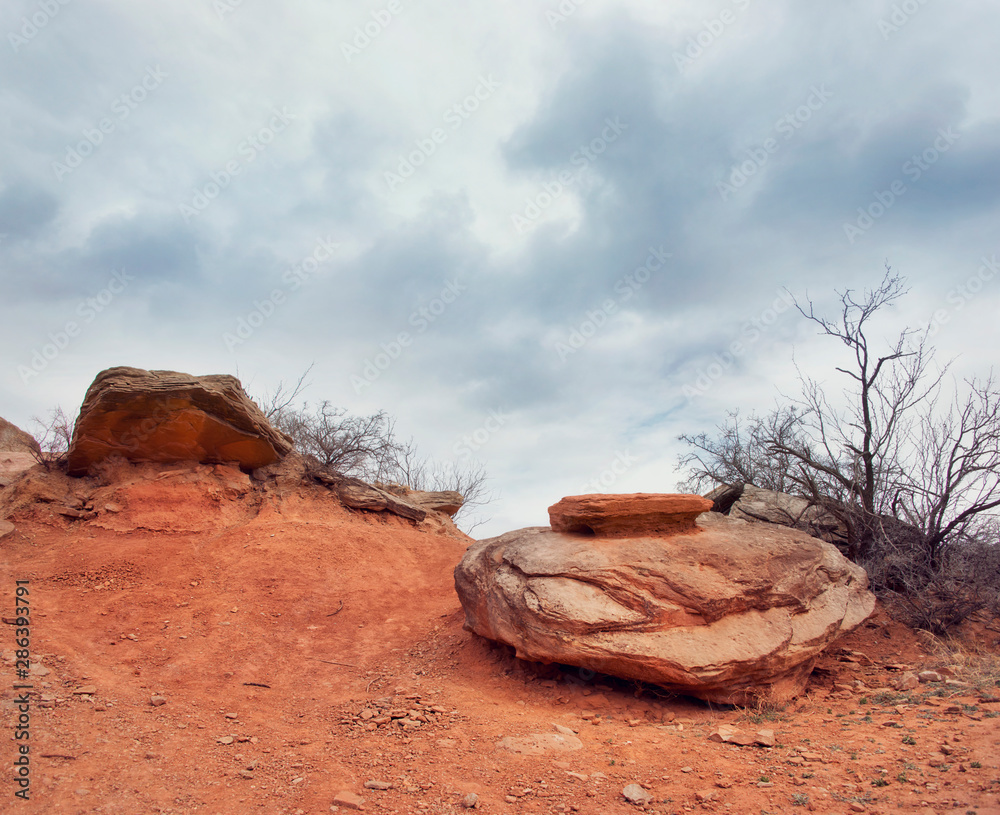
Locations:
column 728, row 611
column 166, row 416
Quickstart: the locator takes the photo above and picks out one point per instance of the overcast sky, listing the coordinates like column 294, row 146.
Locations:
column 531, row 231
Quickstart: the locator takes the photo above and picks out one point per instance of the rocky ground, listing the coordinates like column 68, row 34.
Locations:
column 200, row 651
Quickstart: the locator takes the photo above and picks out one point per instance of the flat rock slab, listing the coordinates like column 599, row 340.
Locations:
column 167, row 416
column 627, row 516
column 538, row 744
column 731, row 612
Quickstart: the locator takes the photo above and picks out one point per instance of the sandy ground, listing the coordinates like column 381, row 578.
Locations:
column 198, row 648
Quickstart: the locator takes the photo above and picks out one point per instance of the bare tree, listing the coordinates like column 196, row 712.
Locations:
column 365, row 447
column 54, row 438
column 914, row 484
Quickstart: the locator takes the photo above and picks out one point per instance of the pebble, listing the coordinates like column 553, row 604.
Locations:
column 157, row 701
column 470, row 801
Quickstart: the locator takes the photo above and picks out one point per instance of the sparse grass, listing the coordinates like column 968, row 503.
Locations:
column 880, row 782
column 763, row 712
column 976, row 765
column 800, row 800
column 909, row 740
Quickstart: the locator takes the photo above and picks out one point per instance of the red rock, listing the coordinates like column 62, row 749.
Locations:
column 627, row 516
column 166, row 416
column 348, row 800
column 732, row 612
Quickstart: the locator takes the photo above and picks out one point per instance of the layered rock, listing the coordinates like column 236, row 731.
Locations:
column 626, row 516
column 166, row 416
column 728, row 611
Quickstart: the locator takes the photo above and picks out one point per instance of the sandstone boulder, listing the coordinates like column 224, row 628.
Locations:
column 728, row 611
column 166, row 416
column 755, row 504
column 358, row 494
column 446, row 501
column 625, row 516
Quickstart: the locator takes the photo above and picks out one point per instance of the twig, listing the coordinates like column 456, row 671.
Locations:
column 333, row 614
column 329, row 662
column 257, row 684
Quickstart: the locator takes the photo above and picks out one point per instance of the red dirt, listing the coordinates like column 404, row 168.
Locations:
column 274, row 620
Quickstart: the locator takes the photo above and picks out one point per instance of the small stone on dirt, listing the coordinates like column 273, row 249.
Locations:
column 470, row 801
column 348, row 800
column 635, row 794
column 378, row 785
column 157, row 701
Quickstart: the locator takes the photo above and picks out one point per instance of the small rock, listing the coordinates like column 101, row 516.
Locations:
column 704, row 796
column 378, row 785
column 635, row 794
column 687, row 769
column 246, row 774
column 765, row 738
column 232, row 715
column 225, row 740
column 157, row 701
column 86, row 690
column 856, row 807
column 470, row 801
column 348, row 800
column 908, row 681
column 566, row 731
column 930, row 676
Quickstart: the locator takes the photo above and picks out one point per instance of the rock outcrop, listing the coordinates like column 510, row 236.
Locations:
column 165, row 416
column 15, row 440
column 19, row 451
column 728, row 611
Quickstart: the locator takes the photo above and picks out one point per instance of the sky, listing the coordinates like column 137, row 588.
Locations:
column 547, row 237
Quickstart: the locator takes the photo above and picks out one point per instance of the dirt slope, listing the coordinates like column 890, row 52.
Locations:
column 303, row 650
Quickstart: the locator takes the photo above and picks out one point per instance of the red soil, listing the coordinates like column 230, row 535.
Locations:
column 281, row 629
